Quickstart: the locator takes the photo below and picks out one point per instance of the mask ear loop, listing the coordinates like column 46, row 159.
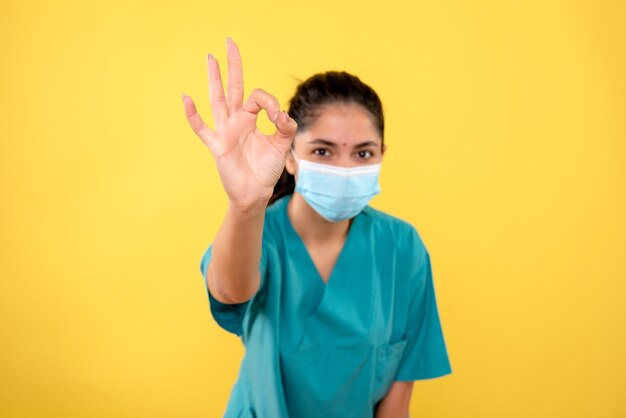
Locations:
column 293, row 151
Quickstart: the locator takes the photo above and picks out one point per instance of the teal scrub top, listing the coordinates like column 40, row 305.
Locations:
column 317, row 350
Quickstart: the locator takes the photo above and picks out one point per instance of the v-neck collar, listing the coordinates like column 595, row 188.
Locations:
column 296, row 237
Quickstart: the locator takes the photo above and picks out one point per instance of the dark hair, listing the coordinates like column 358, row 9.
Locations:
column 323, row 89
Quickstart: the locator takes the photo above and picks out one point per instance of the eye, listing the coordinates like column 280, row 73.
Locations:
column 322, row 152
column 364, row 154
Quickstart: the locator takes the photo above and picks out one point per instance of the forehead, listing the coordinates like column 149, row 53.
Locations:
column 345, row 123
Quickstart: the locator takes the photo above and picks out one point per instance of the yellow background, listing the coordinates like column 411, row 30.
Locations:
column 506, row 142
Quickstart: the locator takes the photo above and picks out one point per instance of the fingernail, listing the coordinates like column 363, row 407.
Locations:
column 183, row 96
column 209, row 56
column 228, row 39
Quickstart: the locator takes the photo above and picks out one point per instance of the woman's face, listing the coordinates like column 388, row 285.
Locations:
column 342, row 135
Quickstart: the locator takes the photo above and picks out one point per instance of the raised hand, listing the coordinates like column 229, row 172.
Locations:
column 249, row 162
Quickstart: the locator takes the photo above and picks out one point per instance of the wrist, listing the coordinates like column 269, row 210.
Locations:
column 249, row 209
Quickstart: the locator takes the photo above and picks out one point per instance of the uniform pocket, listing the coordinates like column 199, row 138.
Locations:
column 388, row 357
column 328, row 383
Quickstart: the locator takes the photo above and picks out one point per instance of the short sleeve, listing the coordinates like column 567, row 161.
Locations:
column 425, row 355
column 229, row 316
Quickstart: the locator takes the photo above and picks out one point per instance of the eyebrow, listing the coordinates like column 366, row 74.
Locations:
column 332, row 144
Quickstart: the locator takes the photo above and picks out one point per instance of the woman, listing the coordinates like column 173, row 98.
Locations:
column 333, row 299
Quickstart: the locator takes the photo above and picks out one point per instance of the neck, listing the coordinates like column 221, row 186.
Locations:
column 310, row 225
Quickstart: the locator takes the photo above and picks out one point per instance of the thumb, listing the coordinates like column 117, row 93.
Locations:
column 285, row 129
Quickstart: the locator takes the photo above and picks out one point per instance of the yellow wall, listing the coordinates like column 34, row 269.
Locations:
column 506, row 149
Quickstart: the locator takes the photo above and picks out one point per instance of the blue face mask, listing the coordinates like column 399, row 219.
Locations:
column 337, row 193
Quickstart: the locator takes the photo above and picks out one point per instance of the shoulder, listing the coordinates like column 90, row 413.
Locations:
column 273, row 226
column 403, row 232
column 393, row 232
column 275, row 212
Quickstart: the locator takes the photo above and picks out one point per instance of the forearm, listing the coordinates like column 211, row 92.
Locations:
column 233, row 273
column 396, row 403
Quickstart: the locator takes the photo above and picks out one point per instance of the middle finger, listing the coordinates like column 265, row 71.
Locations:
column 235, row 77
column 216, row 93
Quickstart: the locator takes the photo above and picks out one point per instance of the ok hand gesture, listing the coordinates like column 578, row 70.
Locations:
column 249, row 162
